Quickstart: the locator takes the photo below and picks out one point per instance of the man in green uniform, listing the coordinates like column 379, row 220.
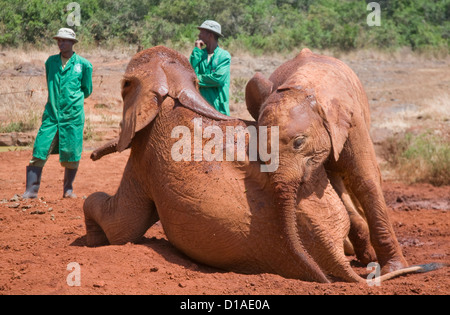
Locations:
column 212, row 66
column 69, row 82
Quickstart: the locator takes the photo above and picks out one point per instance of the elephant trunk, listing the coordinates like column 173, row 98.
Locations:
column 107, row 148
column 286, row 196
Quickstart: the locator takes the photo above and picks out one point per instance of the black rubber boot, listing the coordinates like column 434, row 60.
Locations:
column 69, row 177
column 33, row 182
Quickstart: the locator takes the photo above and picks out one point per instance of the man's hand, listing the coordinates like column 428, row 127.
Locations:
column 199, row 43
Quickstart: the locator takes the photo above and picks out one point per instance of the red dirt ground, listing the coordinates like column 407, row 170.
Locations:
column 39, row 238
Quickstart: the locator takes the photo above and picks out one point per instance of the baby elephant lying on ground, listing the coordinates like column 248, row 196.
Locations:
column 215, row 200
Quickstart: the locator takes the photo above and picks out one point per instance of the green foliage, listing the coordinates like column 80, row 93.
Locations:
column 17, row 126
column 259, row 26
column 420, row 158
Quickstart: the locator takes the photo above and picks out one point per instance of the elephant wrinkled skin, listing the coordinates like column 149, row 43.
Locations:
column 319, row 101
column 220, row 213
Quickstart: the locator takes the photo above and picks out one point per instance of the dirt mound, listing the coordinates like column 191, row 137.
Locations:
column 42, row 246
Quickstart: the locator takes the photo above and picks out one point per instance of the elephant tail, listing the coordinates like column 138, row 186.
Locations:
column 413, row 269
column 108, row 148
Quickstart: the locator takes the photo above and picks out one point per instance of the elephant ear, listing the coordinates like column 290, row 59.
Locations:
column 182, row 83
column 337, row 119
column 336, row 114
column 257, row 91
column 162, row 73
column 143, row 105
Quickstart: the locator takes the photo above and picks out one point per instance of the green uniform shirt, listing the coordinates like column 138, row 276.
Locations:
column 213, row 76
column 64, row 111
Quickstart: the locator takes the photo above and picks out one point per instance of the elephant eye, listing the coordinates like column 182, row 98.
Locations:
column 298, row 142
column 126, row 83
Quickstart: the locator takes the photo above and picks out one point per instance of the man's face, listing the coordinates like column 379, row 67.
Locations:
column 65, row 45
column 205, row 36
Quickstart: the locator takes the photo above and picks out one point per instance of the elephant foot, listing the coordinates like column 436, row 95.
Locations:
column 364, row 251
column 95, row 235
column 360, row 239
column 366, row 255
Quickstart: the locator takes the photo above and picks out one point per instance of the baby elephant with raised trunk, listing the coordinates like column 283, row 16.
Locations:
column 222, row 211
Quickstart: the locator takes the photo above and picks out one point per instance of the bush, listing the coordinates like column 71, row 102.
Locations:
column 18, row 126
column 420, row 158
column 259, row 25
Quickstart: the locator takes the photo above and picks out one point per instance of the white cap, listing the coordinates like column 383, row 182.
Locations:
column 211, row 26
column 66, row 33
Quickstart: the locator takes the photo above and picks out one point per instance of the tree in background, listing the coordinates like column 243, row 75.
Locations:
column 255, row 25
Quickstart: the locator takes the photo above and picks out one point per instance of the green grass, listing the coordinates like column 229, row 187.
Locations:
column 13, row 148
column 420, row 158
column 88, row 132
column 18, row 126
column 237, row 89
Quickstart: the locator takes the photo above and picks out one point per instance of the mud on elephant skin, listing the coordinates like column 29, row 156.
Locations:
column 323, row 116
column 220, row 213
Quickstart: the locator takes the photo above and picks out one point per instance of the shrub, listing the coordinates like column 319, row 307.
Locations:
column 419, row 158
column 261, row 25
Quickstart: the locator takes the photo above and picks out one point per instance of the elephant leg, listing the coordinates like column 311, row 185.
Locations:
column 359, row 234
column 92, row 207
column 359, row 169
column 122, row 218
column 348, row 247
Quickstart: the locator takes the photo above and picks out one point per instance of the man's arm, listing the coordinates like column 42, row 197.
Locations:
column 86, row 81
column 219, row 77
column 47, row 69
column 196, row 57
